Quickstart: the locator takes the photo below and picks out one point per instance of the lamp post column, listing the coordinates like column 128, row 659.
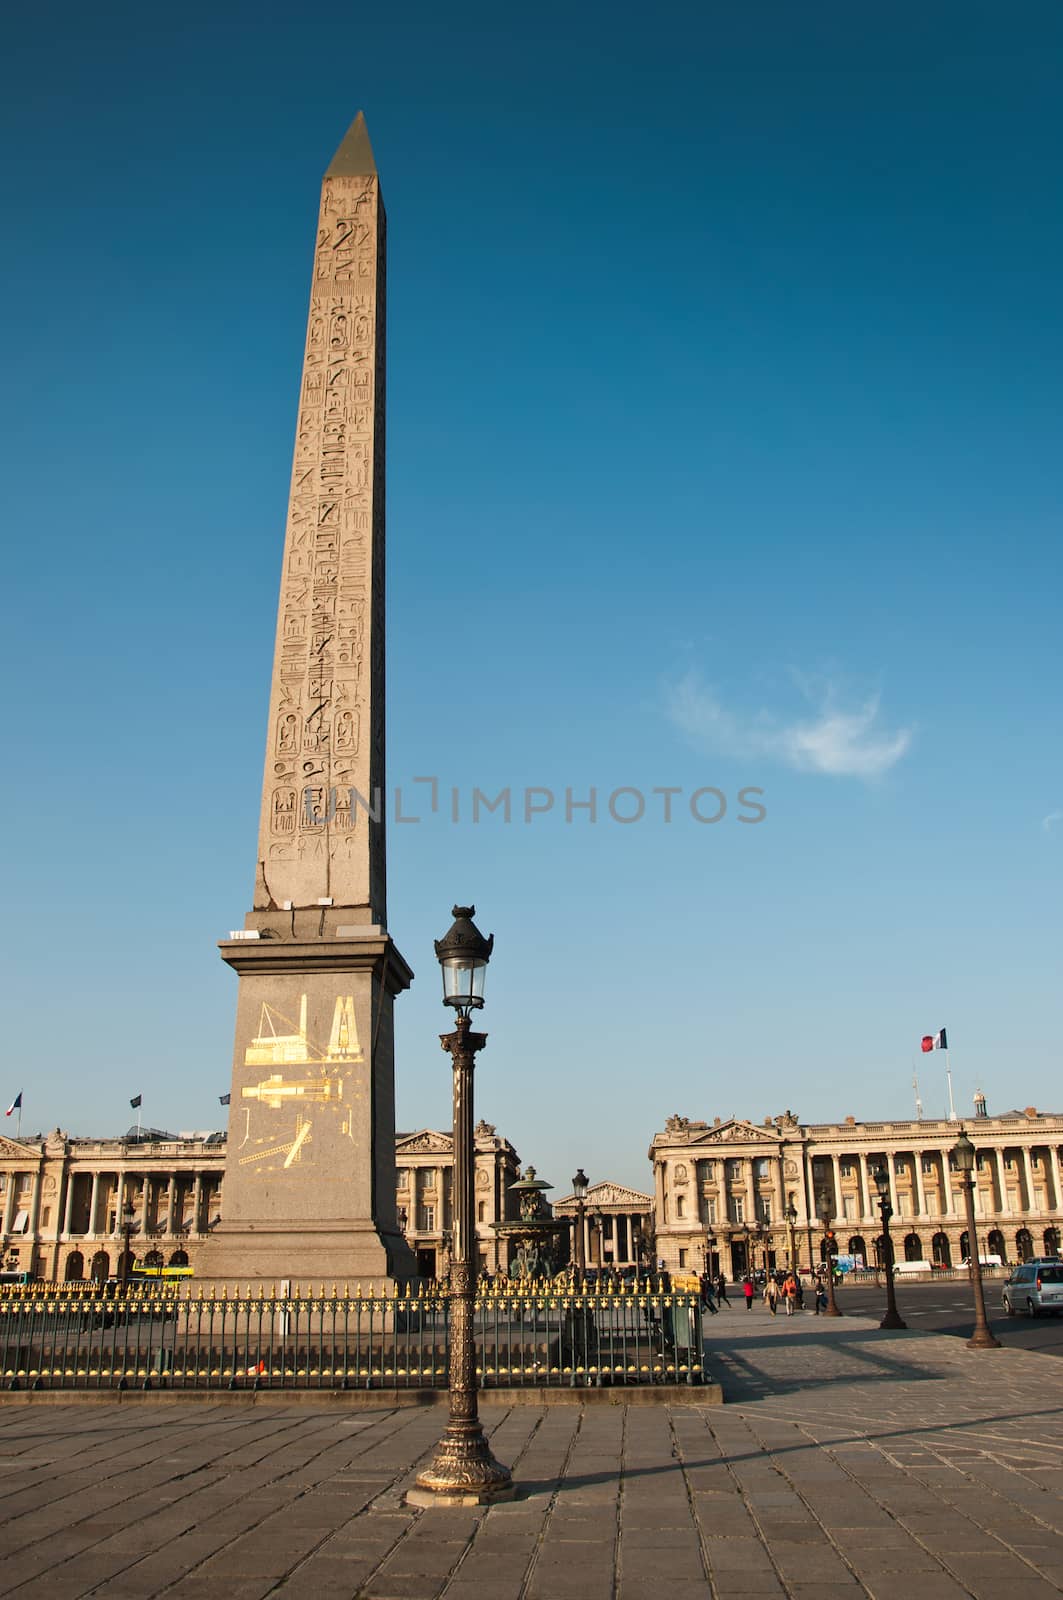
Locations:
column 463, row 1471
column 982, row 1338
column 893, row 1318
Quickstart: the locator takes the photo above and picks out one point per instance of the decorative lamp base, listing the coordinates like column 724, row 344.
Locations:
column 462, row 1472
column 982, row 1339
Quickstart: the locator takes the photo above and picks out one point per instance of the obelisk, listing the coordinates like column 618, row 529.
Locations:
column 309, row 1190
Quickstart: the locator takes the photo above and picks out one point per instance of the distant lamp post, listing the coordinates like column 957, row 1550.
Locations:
column 128, row 1218
column 463, row 1471
column 710, row 1251
column 599, row 1235
column 791, row 1224
column 893, row 1318
column 825, row 1212
column 963, row 1156
column 579, row 1189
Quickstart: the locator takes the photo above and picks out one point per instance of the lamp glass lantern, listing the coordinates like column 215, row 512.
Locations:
column 129, row 1216
column 881, row 1180
column 823, row 1207
column 579, row 1184
column 963, row 1154
column 463, row 956
column 791, row 1213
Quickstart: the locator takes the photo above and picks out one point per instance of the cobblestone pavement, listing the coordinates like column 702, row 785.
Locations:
column 848, row 1462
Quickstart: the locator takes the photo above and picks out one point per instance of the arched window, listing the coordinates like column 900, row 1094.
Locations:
column 75, row 1267
column 1024, row 1244
column 965, row 1245
column 100, row 1269
column 857, row 1247
column 997, row 1247
column 913, row 1247
column 942, row 1252
column 153, row 1258
column 1051, row 1241
column 179, row 1258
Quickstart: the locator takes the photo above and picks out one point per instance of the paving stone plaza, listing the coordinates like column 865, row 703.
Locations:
column 846, row 1461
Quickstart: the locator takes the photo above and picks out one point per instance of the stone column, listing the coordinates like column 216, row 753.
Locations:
column 866, row 1212
column 197, row 1204
column 1027, row 1168
column 94, row 1203
column 9, row 1200
column 145, row 1185
column 836, row 1177
column 68, row 1215
column 779, row 1186
column 119, row 1202
column 171, row 1199
column 35, row 1203
column 751, row 1191
column 1002, row 1183
column 920, row 1194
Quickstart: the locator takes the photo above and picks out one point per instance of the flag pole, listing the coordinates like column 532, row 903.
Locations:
column 948, row 1079
column 18, row 1125
column 141, row 1097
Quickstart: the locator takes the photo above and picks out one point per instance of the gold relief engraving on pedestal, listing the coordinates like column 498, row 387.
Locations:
column 334, row 1081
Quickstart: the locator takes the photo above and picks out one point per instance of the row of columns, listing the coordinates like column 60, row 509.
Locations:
column 123, row 1182
column 951, row 1196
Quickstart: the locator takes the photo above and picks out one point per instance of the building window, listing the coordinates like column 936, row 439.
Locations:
column 847, row 1167
column 734, row 1169
column 762, row 1167
column 1009, row 1164
column 682, row 1259
column 428, row 1219
column 736, row 1208
column 764, row 1210
column 928, row 1166
column 709, row 1207
column 679, row 1207
column 481, row 1211
column 404, row 1177
column 849, row 1207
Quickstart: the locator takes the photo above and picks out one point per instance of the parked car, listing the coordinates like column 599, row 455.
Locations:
column 1034, row 1287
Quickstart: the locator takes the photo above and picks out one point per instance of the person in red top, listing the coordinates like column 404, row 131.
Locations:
column 747, row 1290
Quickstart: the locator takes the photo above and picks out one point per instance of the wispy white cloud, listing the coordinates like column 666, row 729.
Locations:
column 1049, row 822
column 830, row 740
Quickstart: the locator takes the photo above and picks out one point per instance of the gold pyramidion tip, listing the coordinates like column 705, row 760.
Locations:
column 354, row 158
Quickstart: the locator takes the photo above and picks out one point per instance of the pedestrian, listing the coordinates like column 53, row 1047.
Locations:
column 800, row 1292
column 771, row 1295
column 706, row 1293
column 821, row 1298
column 747, row 1290
column 721, row 1291
column 789, row 1290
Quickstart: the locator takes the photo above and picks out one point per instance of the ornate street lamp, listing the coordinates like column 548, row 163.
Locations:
column 579, row 1189
column 963, row 1156
column 791, row 1223
column 710, row 1250
column 893, row 1318
column 463, row 1471
column 825, row 1212
column 128, row 1218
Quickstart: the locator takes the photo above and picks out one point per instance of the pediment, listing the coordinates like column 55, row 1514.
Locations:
column 737, row 1131
column 427, row 1142
column 607, row 1193
column 9, row 1147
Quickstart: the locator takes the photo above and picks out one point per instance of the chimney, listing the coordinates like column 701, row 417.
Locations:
column 1031, row 1111
column 850, row 1122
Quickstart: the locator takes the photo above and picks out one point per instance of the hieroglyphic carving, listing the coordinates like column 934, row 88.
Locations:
column 328, row 667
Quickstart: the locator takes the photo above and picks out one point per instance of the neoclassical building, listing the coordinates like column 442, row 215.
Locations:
column 63, row 1199
column 617, row 1225
column 425, row 1163
column 722, row 1189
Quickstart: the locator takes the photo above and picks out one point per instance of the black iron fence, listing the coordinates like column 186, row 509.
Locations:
column 74, row 1336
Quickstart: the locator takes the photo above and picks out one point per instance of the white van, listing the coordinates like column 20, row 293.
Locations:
column 904, row 1269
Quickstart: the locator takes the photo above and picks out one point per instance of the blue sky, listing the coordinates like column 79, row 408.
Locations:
column 723, row 433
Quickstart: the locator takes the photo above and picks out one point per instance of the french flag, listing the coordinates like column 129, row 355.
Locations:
column 16, row 1104
column 935, row 1041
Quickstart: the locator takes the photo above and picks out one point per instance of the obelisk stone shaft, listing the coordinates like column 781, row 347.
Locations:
column 310, row 1160
column 321, row 834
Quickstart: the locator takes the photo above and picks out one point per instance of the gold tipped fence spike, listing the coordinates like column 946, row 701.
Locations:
column 346, row 1291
